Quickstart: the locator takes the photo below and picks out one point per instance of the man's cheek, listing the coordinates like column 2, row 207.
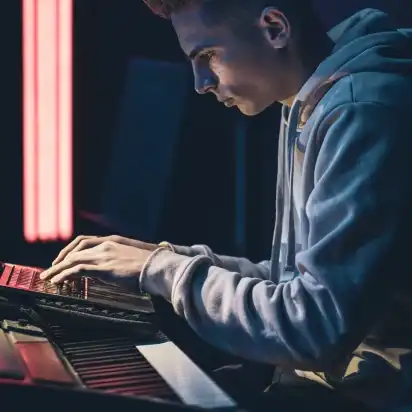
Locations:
column 222, row 71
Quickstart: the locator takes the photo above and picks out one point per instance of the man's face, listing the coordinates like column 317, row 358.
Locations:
column 244, row 70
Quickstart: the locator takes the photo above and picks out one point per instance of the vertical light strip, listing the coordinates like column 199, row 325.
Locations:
column 29, row 121
column 65, row 104
column 47, row 120
column 47, row 117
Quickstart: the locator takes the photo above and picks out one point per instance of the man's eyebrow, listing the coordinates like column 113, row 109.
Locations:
column 197, row 50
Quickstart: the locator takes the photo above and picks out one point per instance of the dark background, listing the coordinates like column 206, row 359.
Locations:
column 221, row 181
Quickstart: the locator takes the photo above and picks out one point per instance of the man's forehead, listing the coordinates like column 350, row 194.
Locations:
column 192, row 32
column 188, row 23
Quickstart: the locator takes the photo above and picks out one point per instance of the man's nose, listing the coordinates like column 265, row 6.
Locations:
column 205, row 82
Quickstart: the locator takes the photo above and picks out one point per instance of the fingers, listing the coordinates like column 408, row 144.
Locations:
column 75, row 271
column 87, row 242
column 71, row 246
column 76, row 259
column 83, row 245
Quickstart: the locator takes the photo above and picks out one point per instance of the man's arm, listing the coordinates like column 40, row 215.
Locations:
column 243, row 266
column 359, row 215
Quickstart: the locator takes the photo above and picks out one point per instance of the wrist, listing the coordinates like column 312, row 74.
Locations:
column 166, row 245
column 147, row 263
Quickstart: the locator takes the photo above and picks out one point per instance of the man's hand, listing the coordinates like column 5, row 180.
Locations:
column 113, row 259
column 87, row 242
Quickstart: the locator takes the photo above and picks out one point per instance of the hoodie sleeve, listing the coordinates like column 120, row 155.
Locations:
column 356, row 215
column 243, row 266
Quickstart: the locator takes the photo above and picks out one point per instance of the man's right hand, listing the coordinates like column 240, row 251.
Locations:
column 87, row 242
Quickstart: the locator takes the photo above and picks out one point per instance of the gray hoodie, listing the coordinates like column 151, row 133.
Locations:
column 335, row 300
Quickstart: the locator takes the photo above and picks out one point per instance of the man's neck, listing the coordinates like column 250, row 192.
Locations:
column 307, row 64
column 289, row 102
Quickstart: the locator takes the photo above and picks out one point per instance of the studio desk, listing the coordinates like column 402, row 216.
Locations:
column 86, row 345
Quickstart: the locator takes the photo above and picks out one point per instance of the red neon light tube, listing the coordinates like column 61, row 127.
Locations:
column 47, row 119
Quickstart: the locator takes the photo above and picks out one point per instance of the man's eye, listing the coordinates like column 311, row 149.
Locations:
column 208, row 55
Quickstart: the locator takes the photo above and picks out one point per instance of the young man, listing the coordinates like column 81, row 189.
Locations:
column 334, row 303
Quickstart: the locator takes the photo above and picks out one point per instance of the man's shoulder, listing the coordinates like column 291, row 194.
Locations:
column 391, row 90
column 387, row 89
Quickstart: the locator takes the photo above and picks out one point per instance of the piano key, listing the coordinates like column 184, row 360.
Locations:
column 187, row 380
column 10, row 363
column 111, row 364
column 43, row 363
column 5, row 276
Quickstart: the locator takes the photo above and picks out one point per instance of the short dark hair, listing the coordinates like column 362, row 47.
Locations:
column 165, row 8
column 225, row 8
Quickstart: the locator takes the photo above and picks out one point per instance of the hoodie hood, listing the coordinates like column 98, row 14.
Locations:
column 366, row 41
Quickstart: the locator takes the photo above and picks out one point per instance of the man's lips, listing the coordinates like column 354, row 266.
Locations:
column 228, row 102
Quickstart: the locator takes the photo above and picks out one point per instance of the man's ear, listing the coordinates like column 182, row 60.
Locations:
column 275, row 26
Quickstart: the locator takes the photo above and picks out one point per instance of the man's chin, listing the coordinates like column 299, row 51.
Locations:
column 250, row 109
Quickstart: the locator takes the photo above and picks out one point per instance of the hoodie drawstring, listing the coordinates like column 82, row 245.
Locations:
column 293, row 121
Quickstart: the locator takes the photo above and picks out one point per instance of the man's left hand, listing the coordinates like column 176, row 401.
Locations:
column 110, row 262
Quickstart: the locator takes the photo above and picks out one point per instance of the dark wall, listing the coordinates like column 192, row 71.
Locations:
column 10, row 135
